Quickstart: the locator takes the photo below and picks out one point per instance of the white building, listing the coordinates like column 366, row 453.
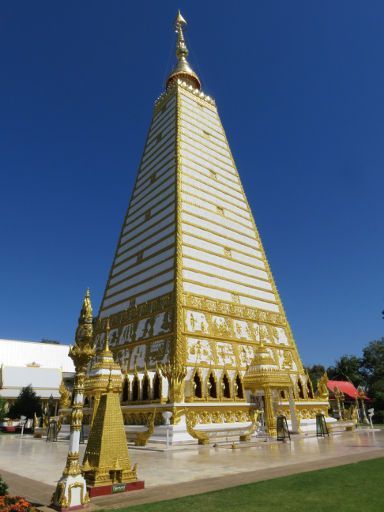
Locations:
column 41, row 365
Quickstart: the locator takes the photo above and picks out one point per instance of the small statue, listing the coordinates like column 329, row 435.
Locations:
column 322, row 390
column 65, row 396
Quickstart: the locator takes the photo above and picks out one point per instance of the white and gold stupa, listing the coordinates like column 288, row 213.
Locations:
column 190, row 295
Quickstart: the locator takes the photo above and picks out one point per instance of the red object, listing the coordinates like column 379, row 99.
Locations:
column 103, row 490
column 345, row 387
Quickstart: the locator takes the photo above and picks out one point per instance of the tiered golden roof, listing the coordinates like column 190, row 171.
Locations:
column 106, row 459
column 264, row 371
column 103, row 370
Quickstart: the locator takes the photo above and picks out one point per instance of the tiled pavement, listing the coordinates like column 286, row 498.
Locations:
column 31, row 466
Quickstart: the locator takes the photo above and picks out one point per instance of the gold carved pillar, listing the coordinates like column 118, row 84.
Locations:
column 71, row 490
column 269, row 416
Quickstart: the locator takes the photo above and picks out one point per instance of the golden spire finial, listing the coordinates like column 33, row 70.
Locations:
column 106, row 340
column 182, row 69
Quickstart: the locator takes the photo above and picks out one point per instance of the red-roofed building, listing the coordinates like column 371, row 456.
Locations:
column 344, row 386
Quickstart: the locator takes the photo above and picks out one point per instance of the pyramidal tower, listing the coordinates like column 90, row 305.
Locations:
column 190, row 295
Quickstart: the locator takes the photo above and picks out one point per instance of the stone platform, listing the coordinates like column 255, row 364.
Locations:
column 32, row 466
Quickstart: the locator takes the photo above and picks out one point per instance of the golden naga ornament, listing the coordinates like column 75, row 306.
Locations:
column 65, row 396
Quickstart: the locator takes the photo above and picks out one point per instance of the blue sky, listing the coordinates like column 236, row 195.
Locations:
column 299, row 86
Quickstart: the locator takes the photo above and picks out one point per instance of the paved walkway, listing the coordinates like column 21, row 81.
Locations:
column 31, row 467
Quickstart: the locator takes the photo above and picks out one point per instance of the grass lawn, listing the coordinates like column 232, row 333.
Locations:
column 354, row 487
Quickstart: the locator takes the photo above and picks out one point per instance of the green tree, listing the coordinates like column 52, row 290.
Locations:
column 26, row 404
column 3, row 408
column 315, row 372
column 348, row 368
column 373, row 370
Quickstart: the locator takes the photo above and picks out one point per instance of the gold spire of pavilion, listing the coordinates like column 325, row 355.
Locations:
column 182, row 70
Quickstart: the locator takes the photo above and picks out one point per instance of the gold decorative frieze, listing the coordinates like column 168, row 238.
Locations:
column 208, row 325
column 233, row 310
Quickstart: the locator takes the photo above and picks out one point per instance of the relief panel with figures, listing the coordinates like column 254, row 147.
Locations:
column 143, row 329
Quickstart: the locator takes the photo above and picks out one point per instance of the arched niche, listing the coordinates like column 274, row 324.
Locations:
column 125, row 395
column 146, row 387
column 225, row 387
column 300, row 389
column 197, row 386
column 239, row 390
column 135, row 389
column 211, row 386
column 309, row 389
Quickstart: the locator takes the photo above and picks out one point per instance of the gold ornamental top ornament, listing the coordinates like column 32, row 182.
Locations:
column 82, row 351
column 182, row 70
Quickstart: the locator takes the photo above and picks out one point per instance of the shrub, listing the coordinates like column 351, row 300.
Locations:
column 3, row 488
column 15, row 504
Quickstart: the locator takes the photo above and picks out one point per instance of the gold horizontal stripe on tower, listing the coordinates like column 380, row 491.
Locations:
column 127, row 299
column 220, row 182
column 161, row 124
column 221, row 202
column 158, row 174
column 152, row 235
column 191, row 154
column 207, row 227
column 211, row 146
column 221, row 255
column 142, row 205
column 139, row 213
column 157, row 121
column 149, row 228
column 191, row 163
column 163, row 150
column 143, row 261
column 217, row 135
column 127, row 287
column 153, row 191
column 223, row 267
column 138, row 221
column 206, row 155
column 141, row 271
column 208, row 189
column 166, row 139
column 150, row 165
column 210, row 120
column 227, row 280
column 153, row 216
column 171, row 159
column 219, row 221
column 170, row 235
column 209, row 240
column 223, row 217
column 229, row 292
column 140, row 284
column 164, row 131
column 190, row 117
